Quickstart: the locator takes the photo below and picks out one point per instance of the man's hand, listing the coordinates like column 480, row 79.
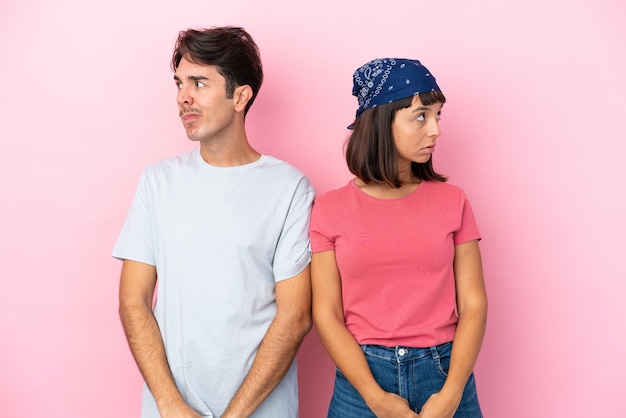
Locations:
column 179, row 411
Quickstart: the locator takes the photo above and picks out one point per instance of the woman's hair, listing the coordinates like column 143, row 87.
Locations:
column 371, row 152
column 231, row 49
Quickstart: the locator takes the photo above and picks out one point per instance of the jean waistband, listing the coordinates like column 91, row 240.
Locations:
column 402, row 353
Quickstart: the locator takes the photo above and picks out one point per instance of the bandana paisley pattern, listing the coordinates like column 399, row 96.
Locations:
column 385, row 80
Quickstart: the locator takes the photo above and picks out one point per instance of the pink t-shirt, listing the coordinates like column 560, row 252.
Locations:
column 395, row 259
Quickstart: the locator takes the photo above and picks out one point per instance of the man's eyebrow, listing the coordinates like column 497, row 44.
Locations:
column 192, row 78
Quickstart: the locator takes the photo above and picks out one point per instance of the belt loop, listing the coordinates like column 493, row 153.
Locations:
column 434, row 352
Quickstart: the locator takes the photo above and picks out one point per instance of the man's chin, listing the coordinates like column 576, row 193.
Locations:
column 192, row 135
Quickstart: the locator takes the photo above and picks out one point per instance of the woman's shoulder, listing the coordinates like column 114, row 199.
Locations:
column 444, row 192
column 335, row 196
column 443, row 187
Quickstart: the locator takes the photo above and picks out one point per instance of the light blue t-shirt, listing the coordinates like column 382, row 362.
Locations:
column 220, row 237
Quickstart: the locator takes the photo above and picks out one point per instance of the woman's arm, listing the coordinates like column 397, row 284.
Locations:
column 471, row 299
column 341, row 344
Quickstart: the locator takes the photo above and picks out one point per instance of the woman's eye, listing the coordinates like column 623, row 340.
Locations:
column 438, row 115
column 420, row 118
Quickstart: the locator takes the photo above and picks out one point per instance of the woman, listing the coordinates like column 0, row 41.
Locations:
column 398, row 293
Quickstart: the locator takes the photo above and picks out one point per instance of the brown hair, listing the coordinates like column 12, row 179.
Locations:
column 231, row 49
column 371, row 153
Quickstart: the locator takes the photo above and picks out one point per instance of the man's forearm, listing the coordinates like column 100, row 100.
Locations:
column 146, row 345
column 275, row 355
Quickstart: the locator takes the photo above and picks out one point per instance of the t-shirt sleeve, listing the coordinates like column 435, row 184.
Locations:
column 318, row 232
column 135, row 241
column 293, row 251
column 469, row 228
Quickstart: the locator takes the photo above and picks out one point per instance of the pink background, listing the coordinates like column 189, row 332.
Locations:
column 533, row 132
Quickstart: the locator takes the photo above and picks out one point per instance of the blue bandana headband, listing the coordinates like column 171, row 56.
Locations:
column 386, row 80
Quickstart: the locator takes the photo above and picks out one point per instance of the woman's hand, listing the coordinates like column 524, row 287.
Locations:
column 439, row 406
column 391, row 405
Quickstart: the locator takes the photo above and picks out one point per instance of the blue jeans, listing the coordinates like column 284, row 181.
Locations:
column 413, row 373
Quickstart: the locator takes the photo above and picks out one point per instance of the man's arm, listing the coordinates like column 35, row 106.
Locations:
column 279, row 346
column 137, row 284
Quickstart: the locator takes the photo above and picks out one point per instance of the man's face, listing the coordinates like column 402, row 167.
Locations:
column 203, row 107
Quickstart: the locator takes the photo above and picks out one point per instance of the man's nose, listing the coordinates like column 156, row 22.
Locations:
column 184, row 97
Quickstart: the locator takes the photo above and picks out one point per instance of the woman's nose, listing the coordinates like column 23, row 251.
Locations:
column 433, row 128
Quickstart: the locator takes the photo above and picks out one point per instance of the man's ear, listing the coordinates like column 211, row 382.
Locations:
column 241, row 97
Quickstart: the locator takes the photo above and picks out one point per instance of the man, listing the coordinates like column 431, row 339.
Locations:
column 225, row 230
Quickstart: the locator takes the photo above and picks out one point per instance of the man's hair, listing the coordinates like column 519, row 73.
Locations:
column 231, row 49
column 371, row 152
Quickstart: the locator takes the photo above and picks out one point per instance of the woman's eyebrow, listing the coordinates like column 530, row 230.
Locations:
column 422, row 108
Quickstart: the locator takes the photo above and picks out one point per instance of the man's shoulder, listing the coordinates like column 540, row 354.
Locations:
column 179, row 159
column 171, row 163
column 281, row 170
column 277, row 164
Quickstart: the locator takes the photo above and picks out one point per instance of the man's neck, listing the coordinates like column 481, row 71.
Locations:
column 228, row 153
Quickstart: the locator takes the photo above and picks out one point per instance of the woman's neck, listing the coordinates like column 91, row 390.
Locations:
column 386, row 191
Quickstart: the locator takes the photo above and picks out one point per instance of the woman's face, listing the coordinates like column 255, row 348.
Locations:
column 415, row 130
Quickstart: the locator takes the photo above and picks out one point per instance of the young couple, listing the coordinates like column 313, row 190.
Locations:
column 394, row 283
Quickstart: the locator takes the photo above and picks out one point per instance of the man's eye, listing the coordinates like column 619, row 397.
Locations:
column 179, row 86
column 199, row 84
